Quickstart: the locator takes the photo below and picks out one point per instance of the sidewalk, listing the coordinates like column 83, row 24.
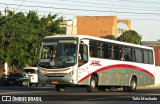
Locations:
column 150, row 86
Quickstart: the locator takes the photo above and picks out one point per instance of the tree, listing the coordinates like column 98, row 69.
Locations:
column 130, row 36
column 0, row 13
column 20, row 36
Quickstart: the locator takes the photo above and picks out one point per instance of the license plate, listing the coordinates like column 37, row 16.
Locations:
column 54, row 82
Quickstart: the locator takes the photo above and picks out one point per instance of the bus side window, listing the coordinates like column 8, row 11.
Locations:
column 128, row 54
column 105, row 50
column 90, row 50
column 151, row 57
column 91, row 53
column 122, row 53
column 83, row 54
column 93, row 49
column 146, row 56
column 138, row 58
column 111, row 54
column 117, row 52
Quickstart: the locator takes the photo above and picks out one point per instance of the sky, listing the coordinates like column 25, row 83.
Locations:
column 144, row 14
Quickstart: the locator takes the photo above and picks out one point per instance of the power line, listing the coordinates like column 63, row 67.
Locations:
column 13, row 14
column 91, row 3
column 140, row 1
column 85, row 15
column 18, row 7
column 84, row 10
column 135, row 1
column 102, row 7
column 142, row 19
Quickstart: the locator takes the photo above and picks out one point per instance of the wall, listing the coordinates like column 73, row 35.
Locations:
column 127, row 22
column 157, row 55
column 99, row 26
column 71, row 27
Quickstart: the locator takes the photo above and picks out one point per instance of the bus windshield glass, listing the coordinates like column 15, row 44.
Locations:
column 58, row 53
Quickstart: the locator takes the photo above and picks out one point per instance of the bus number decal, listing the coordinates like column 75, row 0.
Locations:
column 82, row 69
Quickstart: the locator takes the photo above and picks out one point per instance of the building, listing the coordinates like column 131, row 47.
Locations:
column 71, row 26
column 100, row 26
column 151, row 43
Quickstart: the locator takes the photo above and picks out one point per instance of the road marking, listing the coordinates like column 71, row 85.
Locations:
column 93, row 99
column 22, row 92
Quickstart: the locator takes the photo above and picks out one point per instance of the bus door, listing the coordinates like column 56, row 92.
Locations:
column 82, row 61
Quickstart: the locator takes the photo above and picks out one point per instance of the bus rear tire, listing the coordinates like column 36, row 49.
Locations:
column 93, row 84
column 133, row 85
column 59, row 88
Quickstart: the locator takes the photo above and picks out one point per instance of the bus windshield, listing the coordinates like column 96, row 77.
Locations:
column 58, row 53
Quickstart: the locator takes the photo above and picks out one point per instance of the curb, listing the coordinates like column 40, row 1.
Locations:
column 150, row 86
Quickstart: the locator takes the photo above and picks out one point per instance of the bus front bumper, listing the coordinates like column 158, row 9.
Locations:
column 60, row 80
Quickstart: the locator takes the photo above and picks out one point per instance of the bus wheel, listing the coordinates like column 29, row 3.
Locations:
column 59, row 88
column 93, row 84
column 133, row 85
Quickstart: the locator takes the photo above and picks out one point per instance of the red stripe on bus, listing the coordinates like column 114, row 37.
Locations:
column 117, row 66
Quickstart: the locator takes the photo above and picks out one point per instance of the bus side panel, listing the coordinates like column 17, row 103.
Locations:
column 149, row 80
column 113, row 77
column 116, row 73
column 142, row 78
column 103, row 78
column 85, row 82
column 122, row 77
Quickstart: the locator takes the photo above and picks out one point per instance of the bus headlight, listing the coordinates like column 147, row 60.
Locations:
column 71, row 81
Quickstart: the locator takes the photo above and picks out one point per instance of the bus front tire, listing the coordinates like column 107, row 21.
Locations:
column 59, row 88
column 93, row 84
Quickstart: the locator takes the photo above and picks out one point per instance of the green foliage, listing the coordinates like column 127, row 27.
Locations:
column 130, row 36
column 0, row 13
column 20, row 36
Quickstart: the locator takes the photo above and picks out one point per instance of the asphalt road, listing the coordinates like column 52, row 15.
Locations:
column 78, row 95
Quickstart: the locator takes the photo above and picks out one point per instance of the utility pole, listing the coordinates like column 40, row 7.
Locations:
column 6, row 11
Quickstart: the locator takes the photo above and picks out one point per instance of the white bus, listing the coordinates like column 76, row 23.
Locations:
column 79, row 60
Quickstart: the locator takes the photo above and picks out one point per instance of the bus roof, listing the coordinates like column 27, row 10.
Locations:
column 99, row 39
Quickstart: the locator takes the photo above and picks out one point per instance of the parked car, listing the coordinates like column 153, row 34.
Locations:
column 16, row 79
column 32, row 73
